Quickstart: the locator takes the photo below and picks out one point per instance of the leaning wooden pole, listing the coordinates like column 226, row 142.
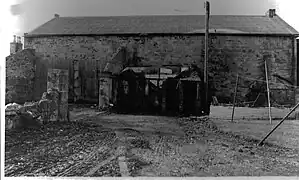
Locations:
column 268, row 93
column 207, row 6
column 235, row 95
column 256, row 99
column 292, row 110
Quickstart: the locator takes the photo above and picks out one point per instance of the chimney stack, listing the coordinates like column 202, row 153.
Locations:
column 271, row 13
column 19, row 39
column 16, row 45
column 56, row 15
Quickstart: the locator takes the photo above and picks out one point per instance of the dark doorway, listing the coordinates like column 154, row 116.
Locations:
column 130, row 96
column 190, row 93
column 172, row 96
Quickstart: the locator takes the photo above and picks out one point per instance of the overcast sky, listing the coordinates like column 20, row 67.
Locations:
column 37, row 12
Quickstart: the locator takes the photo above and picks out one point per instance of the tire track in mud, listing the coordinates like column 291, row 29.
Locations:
column 169, row 146
column 164, row 149
column 158, row 146
column 99, row 149
column 167, row 157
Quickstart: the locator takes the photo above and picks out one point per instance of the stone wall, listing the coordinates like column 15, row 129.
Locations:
column 20, row 74
column 228, row 55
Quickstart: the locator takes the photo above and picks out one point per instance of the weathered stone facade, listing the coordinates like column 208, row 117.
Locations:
column 228, row 55
column 20, row 74
column 58, row 81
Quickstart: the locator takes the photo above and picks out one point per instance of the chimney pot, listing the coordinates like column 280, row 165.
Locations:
column 56, row 15
column 271, row 13
column 14, row 38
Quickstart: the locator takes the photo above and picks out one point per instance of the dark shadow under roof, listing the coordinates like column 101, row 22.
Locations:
column 163, row 24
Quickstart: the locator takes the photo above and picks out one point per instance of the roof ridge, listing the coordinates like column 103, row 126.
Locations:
column 288, row 26
column 157, row 15
column 146, row 24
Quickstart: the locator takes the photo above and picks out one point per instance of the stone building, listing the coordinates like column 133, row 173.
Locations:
column 238, row 44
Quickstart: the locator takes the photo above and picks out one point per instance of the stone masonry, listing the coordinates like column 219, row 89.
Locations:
column 228, row 55
column 58, row 81
column 20, row 74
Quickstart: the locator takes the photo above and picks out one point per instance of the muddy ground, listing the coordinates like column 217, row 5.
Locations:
column 95, row 143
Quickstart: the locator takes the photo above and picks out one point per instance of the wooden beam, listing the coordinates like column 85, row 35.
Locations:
column 296, row 75
column 268, row 92
column 207, row 6
column 235, row 95
column 286, row 116
column 256, row 99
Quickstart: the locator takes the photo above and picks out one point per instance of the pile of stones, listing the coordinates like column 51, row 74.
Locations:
column 33, row 114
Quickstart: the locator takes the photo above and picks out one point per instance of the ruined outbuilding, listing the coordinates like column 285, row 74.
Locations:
column 186, row 93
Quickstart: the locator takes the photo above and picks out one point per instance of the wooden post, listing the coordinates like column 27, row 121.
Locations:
column 256, row 99
column 296, row 92
column 235, row 95
column 207, row 6
column 268, row 92
column 97, row 77
column 77, row 80
column 292, row 110
column 158, row 81
column 159, row 90
column 100, row 86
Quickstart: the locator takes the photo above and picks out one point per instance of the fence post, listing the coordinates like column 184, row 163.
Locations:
column 235, row 95
column 268, row 92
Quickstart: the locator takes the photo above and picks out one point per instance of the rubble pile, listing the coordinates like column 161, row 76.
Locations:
column 33, row 114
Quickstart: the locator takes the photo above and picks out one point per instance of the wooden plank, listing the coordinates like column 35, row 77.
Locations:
column 283, row 119
column 71, row 79
column 82, row 77
column 207, row 6
column 77, row 80
column 86, row 75
column 268, row 93
column 235, row 95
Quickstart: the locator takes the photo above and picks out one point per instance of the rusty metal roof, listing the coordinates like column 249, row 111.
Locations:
column 226, row 24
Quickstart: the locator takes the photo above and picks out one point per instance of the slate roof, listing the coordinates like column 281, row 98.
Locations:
column 163, row 24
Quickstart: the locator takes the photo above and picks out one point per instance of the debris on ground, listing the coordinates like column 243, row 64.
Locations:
column 55, row 149
column 18, row 117
column 153, row 146
column 33, row 113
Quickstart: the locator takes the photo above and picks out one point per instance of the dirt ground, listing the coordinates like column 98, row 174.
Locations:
column 130, row 145
column 246, row 113
column 254, row 123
